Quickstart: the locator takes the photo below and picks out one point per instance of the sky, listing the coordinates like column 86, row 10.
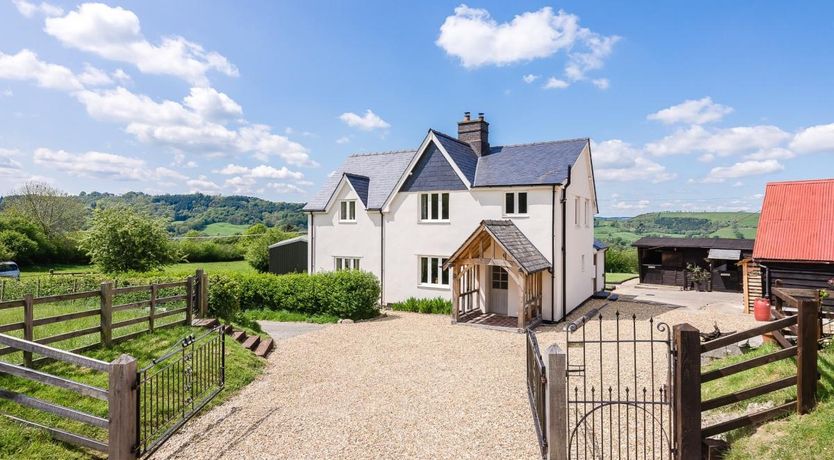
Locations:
column 690, row 106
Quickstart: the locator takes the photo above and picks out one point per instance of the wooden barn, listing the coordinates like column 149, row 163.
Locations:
column 288, row 256
column 795, row 237
column 664, row 261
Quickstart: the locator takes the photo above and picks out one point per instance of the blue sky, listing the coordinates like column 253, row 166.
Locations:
column 689, row 106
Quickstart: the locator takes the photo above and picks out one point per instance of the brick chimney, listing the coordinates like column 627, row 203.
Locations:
column 475, row 133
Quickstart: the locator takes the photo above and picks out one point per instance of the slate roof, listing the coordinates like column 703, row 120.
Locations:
column 701, row 243
column 383, row 171
column 289, row 241
column 599, row 245
column 519, row 247
column 542, row 163
column 361, row 184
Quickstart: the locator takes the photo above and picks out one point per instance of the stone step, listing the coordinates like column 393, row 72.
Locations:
column 207, row 323
column 265, row 348
column 252, row 342
column 239, row 336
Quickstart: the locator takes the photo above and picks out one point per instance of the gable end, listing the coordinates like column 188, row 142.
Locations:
column 432, row 172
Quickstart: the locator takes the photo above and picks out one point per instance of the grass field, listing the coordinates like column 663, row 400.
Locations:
column 795, row 437
column 617, row 278
column 19, row 442
column 237, row 266
column 224, row 229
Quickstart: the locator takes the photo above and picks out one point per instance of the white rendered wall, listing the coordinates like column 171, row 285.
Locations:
column 580, row 238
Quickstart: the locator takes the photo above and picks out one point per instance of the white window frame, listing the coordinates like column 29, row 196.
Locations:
column 516, row 212
column 346, row 263
column 347, row 211
column 433, row 262
column 430, row 208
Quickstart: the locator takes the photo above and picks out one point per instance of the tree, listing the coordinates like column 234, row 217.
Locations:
column 122, row 239
column 23, row 240
column 50, row 208
column 257, row 252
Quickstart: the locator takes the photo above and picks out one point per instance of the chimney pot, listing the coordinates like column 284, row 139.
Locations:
column 481, row 116
column 466, row 116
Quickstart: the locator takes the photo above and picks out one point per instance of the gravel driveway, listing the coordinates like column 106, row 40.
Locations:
column 404, row 386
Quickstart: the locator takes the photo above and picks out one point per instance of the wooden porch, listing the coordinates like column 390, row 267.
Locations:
column 497, row 244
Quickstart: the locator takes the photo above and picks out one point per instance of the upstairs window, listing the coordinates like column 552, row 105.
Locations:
column 577, row 211
column 434, row 207
column 587, row 212
column 515, row 203
column 432, row 273
column 347, row 263
column 347, row 213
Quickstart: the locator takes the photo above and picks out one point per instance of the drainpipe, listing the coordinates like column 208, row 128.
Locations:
column 381, row 259
column 564, row 245
column 312, row 232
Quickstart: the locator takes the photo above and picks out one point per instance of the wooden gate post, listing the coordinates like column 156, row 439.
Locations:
column 152, row 309
column 122, row 401
column 204, row 293
column 28, row 326
column 556, row 399
column 107, row 313
column 806, row 355
column 189, row 300
column 687, row 392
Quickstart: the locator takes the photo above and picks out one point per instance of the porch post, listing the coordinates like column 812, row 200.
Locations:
column 522, row 297
column 455, row 292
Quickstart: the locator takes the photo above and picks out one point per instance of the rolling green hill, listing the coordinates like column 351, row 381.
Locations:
column 624, row 231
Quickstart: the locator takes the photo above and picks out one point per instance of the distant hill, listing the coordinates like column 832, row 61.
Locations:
column 223, row 215
column 624, row 231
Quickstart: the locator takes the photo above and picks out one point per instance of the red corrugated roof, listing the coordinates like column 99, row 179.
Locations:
column 797, row 222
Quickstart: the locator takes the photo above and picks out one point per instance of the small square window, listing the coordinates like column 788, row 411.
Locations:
column 515, row 203
column 432, row 272
column 347, row 211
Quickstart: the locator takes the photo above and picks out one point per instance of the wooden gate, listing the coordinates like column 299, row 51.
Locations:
column 537, row 388
column 619, row 388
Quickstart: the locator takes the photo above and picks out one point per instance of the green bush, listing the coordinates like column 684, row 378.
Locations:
column 257, row 248
column 437, row 305
column 345, row 294
column 208, row 251
column 223, row 298
column 621, row 260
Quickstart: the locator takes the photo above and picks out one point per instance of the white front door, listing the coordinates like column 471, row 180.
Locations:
column 499, row 286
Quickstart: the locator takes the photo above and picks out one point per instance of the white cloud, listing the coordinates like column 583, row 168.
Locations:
column 691, row 111
column 241, row 185
column 121, row 76
column 285, row 188
column 530, row 78
column 777, row 153
column 814, row 139
column 25, row 65
column 743, row 169
column 212, row 104
column 343, row 140
column 99, row 165
column 597, row 48
column 697, row 139
column 261, row 172
column 203, row 185
column 555, row 83
column 601, row 83
column 630, row 206
column 93, row 76
column 29, row 9
column 8, row 165
column 615, row 160
column 233, row 169
column 115, row 33
column 7, row 93
column 367, row 122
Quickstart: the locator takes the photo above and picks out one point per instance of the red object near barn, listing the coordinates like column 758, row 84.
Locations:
column 761, row 309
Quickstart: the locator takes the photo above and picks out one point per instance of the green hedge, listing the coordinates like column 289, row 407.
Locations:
column 437, row 305
column 343, row 294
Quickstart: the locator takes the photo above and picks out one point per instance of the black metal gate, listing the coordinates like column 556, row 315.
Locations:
column 536, row 388
column 619, row 384
column 177, row 385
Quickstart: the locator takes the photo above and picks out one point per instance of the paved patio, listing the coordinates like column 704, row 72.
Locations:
column 724, row 302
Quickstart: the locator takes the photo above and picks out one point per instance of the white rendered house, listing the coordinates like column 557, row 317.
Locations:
column 506, row 230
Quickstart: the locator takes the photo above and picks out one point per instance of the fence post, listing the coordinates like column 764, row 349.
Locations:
column 204, row 290
column 557, row 448
column 107, row 313
column 28, row 326
column 122, row 399
column 189, row 300
column 687, row 392
column 154, row 293
column 806, row 355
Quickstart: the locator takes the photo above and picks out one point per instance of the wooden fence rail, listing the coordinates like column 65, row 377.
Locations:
column 194, row 296
column 691, row 436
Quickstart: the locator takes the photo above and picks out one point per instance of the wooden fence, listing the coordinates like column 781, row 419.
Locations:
column 692, row 438
column 194, row 295
column 121, row 395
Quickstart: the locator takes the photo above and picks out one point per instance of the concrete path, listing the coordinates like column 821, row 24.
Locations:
column 724, row 302
column 281, row 331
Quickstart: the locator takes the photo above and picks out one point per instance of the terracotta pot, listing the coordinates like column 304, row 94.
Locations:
column 761, row 309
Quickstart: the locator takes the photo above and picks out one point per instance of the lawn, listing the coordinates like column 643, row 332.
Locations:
column 18, row 442
column 617, row 278
column 224, row 229
column 795, row 437
column 237, row 266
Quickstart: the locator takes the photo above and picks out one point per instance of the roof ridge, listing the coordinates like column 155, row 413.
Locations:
column 390, row 152
column 803, row 181
column 447, row 136
column 586, row 139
